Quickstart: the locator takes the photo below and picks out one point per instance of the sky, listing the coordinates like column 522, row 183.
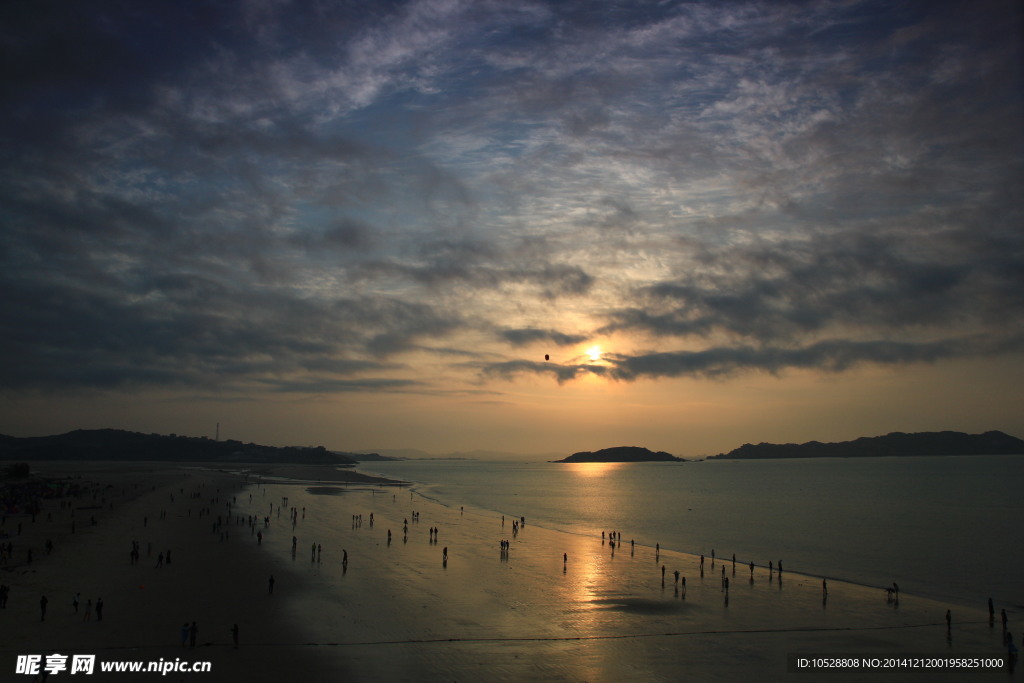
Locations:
column 514, row 226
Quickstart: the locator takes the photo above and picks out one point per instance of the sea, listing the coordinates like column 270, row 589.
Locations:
column 945, row 527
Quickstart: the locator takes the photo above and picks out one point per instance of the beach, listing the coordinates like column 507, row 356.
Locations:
column 554, row 606
column 213, row 582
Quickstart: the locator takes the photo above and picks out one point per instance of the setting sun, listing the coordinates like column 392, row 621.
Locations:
column 594, row 352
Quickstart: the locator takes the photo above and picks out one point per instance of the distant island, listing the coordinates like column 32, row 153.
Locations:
column 116, row 444
column 621, row 454
column 895, row 443
column 366, row 457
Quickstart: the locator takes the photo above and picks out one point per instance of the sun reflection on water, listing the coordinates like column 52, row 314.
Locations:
column 590, row 470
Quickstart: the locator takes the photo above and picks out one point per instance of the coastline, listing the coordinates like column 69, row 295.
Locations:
column 950, row 542
column 399, row 612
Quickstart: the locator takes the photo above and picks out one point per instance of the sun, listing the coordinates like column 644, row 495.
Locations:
column 595, row 353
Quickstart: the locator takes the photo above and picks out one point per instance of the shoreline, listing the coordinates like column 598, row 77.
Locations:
column 939, row 558
column 400, row 609
column 398, row 612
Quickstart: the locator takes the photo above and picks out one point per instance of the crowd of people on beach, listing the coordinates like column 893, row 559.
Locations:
column 258, row 525
column 614, row 539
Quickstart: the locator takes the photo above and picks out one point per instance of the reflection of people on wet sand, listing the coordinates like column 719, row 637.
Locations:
column 270, row 584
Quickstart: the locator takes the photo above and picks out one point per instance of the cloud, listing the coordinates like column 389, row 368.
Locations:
column 193, row 332
column 827, row 356
column 907, row 278
column 560, row 372
column 485, row 265
column 530, row 335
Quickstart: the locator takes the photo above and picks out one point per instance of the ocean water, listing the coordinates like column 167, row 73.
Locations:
column 945, row 527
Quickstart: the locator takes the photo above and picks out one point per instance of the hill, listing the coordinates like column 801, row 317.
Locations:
column 621, row 454
column 365, row 457
column 115, row 444
column 895, row 443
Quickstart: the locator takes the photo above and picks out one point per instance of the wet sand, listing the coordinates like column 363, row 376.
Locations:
column 400, row 613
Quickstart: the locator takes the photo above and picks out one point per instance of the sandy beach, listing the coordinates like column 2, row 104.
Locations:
column 554, row 606
column 214, row 582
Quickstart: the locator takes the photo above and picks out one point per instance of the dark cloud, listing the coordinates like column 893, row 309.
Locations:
column 910, row 278
column 829, row 356
column 344, row 234
column 193, row 332
column 561, row 373
column 485, row 266
column 530, row 335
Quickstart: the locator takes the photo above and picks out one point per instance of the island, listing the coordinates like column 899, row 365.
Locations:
column 892, row 444
column 621, row 454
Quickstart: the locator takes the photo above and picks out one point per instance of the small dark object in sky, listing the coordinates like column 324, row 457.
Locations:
column 547, row 357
